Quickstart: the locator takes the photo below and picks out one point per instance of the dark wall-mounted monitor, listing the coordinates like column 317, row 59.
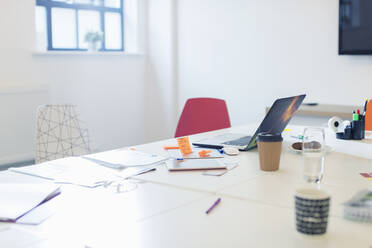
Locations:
column 355, row 27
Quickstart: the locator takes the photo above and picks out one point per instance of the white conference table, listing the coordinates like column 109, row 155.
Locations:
column 167, row 209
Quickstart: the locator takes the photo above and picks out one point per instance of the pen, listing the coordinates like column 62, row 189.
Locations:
column 146, row 170
column 365, row 105
column 213, row 206
column 297, row 137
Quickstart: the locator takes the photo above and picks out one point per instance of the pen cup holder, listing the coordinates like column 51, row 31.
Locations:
column 355, row 131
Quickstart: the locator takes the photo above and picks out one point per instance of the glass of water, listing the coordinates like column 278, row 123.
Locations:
column 313, row 153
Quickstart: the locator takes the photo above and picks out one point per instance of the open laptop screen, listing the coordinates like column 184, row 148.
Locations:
column 278, row 116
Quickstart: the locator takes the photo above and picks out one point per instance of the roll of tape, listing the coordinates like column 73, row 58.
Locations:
column 335, row 123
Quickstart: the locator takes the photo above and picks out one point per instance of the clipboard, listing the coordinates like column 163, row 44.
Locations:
column 195, row 164
column 175, row 153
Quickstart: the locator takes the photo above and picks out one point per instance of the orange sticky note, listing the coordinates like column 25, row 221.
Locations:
column 204, row 153
column 184, row 145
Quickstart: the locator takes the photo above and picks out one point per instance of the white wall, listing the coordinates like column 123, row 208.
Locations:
column 161, row 71
column 109, row 90
column 18, row 121
column 250, row 52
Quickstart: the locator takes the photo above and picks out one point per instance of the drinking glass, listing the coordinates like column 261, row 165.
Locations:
column 313, row 153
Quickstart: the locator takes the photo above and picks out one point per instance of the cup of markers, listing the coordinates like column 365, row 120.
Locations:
column 357, row 127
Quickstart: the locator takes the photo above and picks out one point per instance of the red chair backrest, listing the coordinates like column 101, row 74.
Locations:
column 202, row 115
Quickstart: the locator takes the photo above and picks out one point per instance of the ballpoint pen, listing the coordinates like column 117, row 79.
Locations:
column 297, row 137
column 365, row 105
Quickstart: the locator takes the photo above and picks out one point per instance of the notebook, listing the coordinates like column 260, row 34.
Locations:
column 195, row 164
column 18, row 199
column 359, row 207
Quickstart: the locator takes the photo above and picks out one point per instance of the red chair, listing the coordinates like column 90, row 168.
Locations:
column 202, row 115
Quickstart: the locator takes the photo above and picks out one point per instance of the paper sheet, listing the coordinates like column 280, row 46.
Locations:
column 75, row 170
column 18, row 238
column 120, row 159
column 17, row 199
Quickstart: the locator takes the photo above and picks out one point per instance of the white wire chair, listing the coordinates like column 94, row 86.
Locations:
column 59, row 133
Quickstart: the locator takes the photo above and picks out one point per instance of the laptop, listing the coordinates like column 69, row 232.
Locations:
column 275, row 121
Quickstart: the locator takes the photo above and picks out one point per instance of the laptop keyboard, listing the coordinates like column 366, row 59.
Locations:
column 239, row 142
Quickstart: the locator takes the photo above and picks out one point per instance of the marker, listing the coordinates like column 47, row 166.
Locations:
column 213, row 206
column 355, row 116
column 359, row 115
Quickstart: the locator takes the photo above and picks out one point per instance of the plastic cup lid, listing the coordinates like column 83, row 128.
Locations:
column 269, row 137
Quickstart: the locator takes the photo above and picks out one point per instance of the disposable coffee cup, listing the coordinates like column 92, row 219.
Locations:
column 269, row 150
column 312, row 209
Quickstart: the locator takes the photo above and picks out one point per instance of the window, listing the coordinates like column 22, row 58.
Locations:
column 79, row 25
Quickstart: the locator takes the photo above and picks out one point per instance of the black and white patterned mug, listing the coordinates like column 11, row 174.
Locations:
column 312, row 209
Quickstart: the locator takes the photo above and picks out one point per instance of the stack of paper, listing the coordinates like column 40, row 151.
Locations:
column 120, row 159
column 18, row 199
column 359, row 208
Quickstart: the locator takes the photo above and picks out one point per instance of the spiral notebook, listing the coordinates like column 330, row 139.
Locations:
column 359, row 207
